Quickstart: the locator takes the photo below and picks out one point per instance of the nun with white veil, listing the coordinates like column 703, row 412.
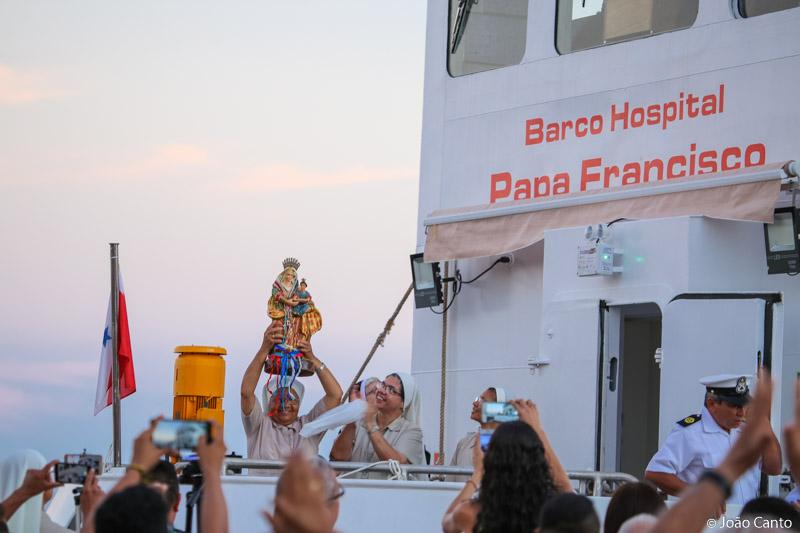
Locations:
column 389, row 430
column 462, row 456
column 29, row 517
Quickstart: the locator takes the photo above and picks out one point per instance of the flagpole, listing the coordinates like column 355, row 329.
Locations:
column 115, row 351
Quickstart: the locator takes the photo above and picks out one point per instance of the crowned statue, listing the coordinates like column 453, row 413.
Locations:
column 292, row 305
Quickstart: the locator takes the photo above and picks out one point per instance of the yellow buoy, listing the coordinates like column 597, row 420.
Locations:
column 199, row 383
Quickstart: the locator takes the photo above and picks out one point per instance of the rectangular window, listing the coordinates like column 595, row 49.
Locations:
column 583, row 24
column 486, row 35
column 754, row 8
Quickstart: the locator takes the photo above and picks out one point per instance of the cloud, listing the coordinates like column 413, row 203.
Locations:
column 28, row 404
column 69, row 374
column 282, row 176
column 165, row 159
column 17, row 87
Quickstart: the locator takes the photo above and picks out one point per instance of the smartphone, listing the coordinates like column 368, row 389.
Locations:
column 71, row 473
column 94, row 461
column 498, row 412
column 485, row 437
column 180, row 434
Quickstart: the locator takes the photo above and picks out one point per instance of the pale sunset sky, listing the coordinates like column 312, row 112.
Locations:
column 211, row 140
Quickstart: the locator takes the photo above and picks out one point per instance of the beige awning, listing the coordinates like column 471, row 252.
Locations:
column 495, row 229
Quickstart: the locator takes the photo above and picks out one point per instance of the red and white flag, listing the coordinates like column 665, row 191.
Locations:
column 127, row 381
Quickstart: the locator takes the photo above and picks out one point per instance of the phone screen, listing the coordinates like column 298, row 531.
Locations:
column 486, row 436
column 498, row 412
column 71, row 473
column 180, row 434
column 90, row 460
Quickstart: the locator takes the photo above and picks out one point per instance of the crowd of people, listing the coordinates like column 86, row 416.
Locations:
column 518, row 483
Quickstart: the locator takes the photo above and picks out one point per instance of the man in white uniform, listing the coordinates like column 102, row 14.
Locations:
column 699, row 442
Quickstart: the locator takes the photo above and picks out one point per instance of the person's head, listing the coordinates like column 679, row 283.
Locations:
column 569, row 513
column 629, row 500
column 164, row 480
column 370, row 388
column 390, row 396
column 727, row 415
column 333, row 489
column 303, row 284
column 489, row 395
column 283, row 403
column 516, row 480
column 137, row 509
column 641, row 523
column 772, row 511
column 726, row 397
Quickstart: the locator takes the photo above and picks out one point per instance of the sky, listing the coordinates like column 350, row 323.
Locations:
column 211, row 140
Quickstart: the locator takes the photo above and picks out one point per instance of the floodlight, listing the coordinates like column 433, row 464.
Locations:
column 427, row 282
column 783, row 242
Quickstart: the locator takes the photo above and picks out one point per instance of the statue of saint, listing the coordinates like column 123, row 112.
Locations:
column 292, row 304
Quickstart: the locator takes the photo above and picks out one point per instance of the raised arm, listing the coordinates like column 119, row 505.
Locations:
column 463, row 510
column 214, row 511
column 333, row 391
column 771, row 462
column 35, row 482
column 529, row 413
column 272, row 336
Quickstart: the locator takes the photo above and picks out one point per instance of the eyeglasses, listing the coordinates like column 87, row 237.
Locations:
column 389, row 388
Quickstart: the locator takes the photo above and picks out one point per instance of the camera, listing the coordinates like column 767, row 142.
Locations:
column 76, row 466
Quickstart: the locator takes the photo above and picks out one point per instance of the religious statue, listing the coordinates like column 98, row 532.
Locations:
column 291, row 304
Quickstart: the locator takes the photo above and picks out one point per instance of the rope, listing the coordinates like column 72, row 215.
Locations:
column 379, row 341
column 396, row 470
column 444, row 368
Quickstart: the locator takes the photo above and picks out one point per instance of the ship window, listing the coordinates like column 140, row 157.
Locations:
column 754, row 8
column 585, row 24
column 485, row 35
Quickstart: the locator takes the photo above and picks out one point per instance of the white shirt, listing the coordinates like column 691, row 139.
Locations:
column 400, row 434
column 266, row 439
column 693, row 448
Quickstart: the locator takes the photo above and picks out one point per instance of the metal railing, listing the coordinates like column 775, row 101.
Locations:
column 589, row 482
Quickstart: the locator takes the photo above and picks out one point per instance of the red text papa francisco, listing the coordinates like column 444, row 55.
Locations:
column 597, row 173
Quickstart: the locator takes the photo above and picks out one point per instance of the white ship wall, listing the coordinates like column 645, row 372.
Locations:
column 474, row 126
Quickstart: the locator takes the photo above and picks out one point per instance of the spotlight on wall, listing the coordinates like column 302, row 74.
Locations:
column 427, row 282
column 783, row 242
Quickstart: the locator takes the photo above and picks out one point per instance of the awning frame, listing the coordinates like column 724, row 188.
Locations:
column 787, row 173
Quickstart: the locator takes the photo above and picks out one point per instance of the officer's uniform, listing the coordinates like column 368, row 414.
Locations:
column 698, row 443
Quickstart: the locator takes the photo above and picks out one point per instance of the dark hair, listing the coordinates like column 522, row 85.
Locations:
column 164, row 472
column 629, row 500
column 772, row 508
column 402, row 387
column 137, row 509
column 569, row 513
column 516, row 480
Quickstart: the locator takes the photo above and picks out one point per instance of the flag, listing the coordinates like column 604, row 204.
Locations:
column 127, row 380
